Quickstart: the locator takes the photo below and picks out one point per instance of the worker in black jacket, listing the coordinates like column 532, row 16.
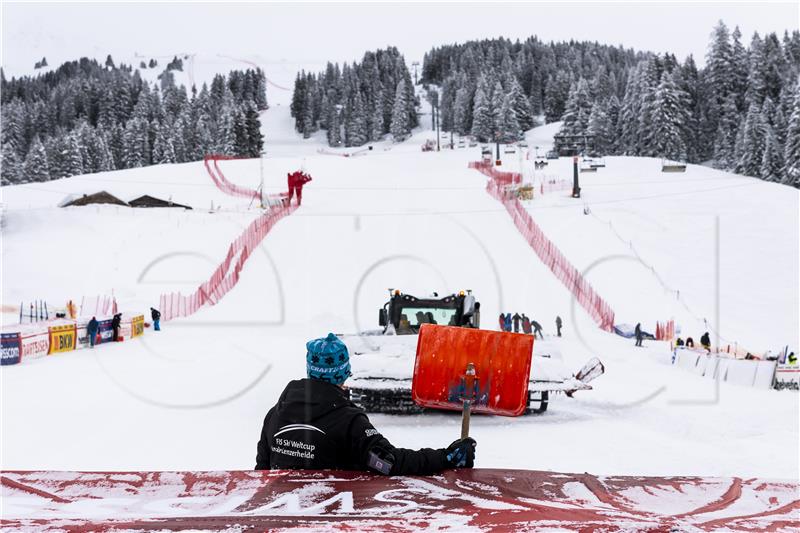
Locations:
column 315, row 426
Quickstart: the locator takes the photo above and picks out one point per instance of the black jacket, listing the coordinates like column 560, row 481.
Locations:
column 116, row 321
column 315, row 426
column 155, row 314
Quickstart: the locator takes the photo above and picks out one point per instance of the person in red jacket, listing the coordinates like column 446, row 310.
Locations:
column 296, row 181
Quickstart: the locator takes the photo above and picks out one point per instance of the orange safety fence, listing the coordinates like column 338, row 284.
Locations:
column 548, row 252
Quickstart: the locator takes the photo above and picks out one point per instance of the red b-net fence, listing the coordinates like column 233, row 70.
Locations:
column 212, row 167
column 548, row 253
column 665, row 331
column 226, row 276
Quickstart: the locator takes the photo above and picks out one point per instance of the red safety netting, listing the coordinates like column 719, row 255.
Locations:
column 665, row 331
column 549, row 254
column 212, row 167
column 226, row 276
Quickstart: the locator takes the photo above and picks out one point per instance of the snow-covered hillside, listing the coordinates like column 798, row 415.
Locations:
column 193, row 396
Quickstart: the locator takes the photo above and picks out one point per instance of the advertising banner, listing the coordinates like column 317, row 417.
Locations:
column 105, row 331
column 63, row 338
column 83, row 336
column 137, row 326
column 10, row 345
column 456, row 500
column 35, row 345
column 787, row 377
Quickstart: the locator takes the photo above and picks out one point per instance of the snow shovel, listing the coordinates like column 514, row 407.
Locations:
column 501, row 360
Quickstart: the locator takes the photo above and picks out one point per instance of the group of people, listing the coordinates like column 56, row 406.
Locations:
column 93, row 326
column 705, row 342
column 515, row 322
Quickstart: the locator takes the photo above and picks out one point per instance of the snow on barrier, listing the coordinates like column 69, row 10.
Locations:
column 457, row 500
column 211, row 163
column 747, row 372
column 548, row 253
column 226, row 276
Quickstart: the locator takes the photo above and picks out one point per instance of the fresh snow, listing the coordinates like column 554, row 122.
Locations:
column 194, row 395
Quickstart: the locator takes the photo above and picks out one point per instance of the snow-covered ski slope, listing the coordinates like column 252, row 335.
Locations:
column 193, row 396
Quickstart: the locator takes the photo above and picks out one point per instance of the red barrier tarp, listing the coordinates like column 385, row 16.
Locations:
column 482, row 500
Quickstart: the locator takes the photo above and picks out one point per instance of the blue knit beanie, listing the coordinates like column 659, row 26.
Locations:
column 327, row 360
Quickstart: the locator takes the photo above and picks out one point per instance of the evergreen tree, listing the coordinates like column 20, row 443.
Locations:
column 751, row 149
column 36, row 167
column 521, row 106
column 400, row 124
column 791, row 153
column 462, row 111
column 377, row 128
column 725, row 156
column 510, row 128
column 12, row 170
column 482, row 119
column 356, row 128
column 669, row 118
column 578, row 109
column 600, row 127
column 772, row 160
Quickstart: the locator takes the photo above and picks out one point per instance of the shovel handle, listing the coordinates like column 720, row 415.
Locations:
column 465, row 413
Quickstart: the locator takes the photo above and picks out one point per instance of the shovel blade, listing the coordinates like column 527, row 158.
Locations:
column 502, row 363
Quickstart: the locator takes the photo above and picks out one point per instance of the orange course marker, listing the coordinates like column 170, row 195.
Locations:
column 502, row 363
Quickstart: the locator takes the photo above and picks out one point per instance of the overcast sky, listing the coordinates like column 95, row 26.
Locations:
column 308, row 33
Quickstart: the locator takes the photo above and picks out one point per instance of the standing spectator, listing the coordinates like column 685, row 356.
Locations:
column 526, row 324
column 537, row 329
column 558, row 325
column 508, row 322
column 705, row 341
column 516, row 318
column 502, row 322
column 115, row 324
column 91, row 331
column 638, row 333
column 155, row 314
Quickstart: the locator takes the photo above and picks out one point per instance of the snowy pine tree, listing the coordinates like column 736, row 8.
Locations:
column 36, row 167
column 751, row 148
column 669, row 116
column 482, row 119
column 772, row 160
column 399, row 127
column 791, row 152
column 725, row 156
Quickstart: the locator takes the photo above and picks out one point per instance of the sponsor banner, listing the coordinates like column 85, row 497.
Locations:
column 105, row 331
column 10, row 345
column 35, row 346
column 83, row 336
column 455, row 500
column 137, row 326
column 63, row 338
column 787, row 377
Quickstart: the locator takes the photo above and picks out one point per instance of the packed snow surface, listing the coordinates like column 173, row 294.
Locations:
column 194, row 395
